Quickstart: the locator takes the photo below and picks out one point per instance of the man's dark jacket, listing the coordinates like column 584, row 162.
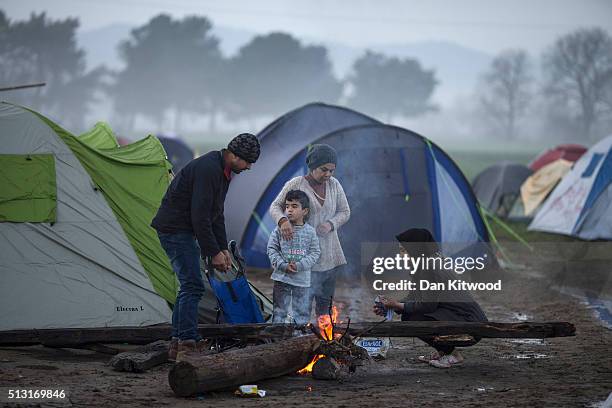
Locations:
column 194, row 203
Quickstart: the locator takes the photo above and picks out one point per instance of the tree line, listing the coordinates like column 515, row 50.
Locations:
column 574, row 90
column 174, row 69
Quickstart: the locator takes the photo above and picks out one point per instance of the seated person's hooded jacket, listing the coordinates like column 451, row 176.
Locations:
column 433, row 304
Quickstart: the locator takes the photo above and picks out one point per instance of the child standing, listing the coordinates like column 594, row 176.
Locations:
column 292, row 260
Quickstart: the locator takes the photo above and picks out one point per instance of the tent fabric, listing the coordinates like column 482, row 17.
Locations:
column 498, row 186
column 569, row 152
column 394, row 179
column 81, row 271
column 28, row 190
column 280, row 141
column 133, row 179
column 177, row 151
column 579, row 206
column 100, row 137
column 99, row 264
column 537, row 186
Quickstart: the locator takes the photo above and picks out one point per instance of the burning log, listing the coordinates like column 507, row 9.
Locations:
column 200, row 374
column 326, row 368
column 334, row 348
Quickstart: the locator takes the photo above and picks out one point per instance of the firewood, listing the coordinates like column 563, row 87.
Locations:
column 205, row 373
column 326, row 368
column 142, row 359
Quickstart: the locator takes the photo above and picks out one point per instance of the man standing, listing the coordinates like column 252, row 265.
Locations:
column 190, row 224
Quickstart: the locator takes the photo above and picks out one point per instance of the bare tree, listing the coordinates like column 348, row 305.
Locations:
column 506, row 90
column 579, row 75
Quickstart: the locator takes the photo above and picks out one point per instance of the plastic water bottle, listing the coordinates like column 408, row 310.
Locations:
column 379, row 304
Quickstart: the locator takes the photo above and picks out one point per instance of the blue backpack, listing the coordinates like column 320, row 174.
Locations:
column 237, row 303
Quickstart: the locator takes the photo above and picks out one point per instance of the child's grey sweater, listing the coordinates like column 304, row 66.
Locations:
column 303, row 249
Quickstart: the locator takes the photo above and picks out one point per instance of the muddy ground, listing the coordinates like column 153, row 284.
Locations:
column 573, row 372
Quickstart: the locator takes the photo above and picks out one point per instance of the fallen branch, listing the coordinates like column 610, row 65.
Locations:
column 142, row 359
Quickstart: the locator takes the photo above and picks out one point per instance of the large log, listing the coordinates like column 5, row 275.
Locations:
column 137, row 335
column 528, row 330
column 200, row 374
column 149, row 334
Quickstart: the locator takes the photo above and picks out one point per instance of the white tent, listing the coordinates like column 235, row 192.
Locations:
column 581, row 204
column 77, row 269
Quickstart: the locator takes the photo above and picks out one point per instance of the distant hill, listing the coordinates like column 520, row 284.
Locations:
column 457, row 67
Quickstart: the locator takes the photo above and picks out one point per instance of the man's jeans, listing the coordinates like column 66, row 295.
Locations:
column 184, row 254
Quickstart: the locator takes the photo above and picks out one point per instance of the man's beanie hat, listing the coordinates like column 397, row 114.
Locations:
column 246, row 146
column 319, row 154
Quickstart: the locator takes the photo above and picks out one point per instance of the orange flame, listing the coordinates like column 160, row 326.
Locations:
column 326, row 324
column 308, row 368
column 327, row 332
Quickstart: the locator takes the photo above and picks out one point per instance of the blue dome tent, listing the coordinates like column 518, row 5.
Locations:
column 179, row 154
column 280, row 141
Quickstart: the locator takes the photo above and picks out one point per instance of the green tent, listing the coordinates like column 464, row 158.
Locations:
column 77, row 248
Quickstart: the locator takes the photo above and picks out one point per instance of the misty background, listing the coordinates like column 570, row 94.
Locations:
column 516, row 75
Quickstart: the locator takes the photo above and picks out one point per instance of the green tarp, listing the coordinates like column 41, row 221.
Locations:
column 28, row 191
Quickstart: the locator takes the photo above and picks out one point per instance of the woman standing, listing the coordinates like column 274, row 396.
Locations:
column 329, row 210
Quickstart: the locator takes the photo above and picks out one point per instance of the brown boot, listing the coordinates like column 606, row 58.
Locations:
column 191, row 346
column 185, row 347
column 173, row 349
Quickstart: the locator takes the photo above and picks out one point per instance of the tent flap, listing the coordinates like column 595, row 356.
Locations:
column 28, row 190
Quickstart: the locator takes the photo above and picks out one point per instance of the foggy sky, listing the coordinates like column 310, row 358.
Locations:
column 484, row 25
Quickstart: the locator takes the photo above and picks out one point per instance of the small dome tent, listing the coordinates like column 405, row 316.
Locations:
column 394, row 179
column 179, row 154
column 498, row 186
column 280, row 141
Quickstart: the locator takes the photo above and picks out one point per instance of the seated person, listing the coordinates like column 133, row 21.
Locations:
column 429, row 305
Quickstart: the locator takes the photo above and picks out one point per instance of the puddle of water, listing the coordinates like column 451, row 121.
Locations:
column 528, row 356
column 531, row 342
column 522, row 317
column 602, row 307
column 602, row 404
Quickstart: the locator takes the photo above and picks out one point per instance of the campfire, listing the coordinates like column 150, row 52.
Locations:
column 335, row 349
column 326, row 325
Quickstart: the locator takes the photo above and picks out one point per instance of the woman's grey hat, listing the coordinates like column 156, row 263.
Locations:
column 246, row 146
column 319, row 154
